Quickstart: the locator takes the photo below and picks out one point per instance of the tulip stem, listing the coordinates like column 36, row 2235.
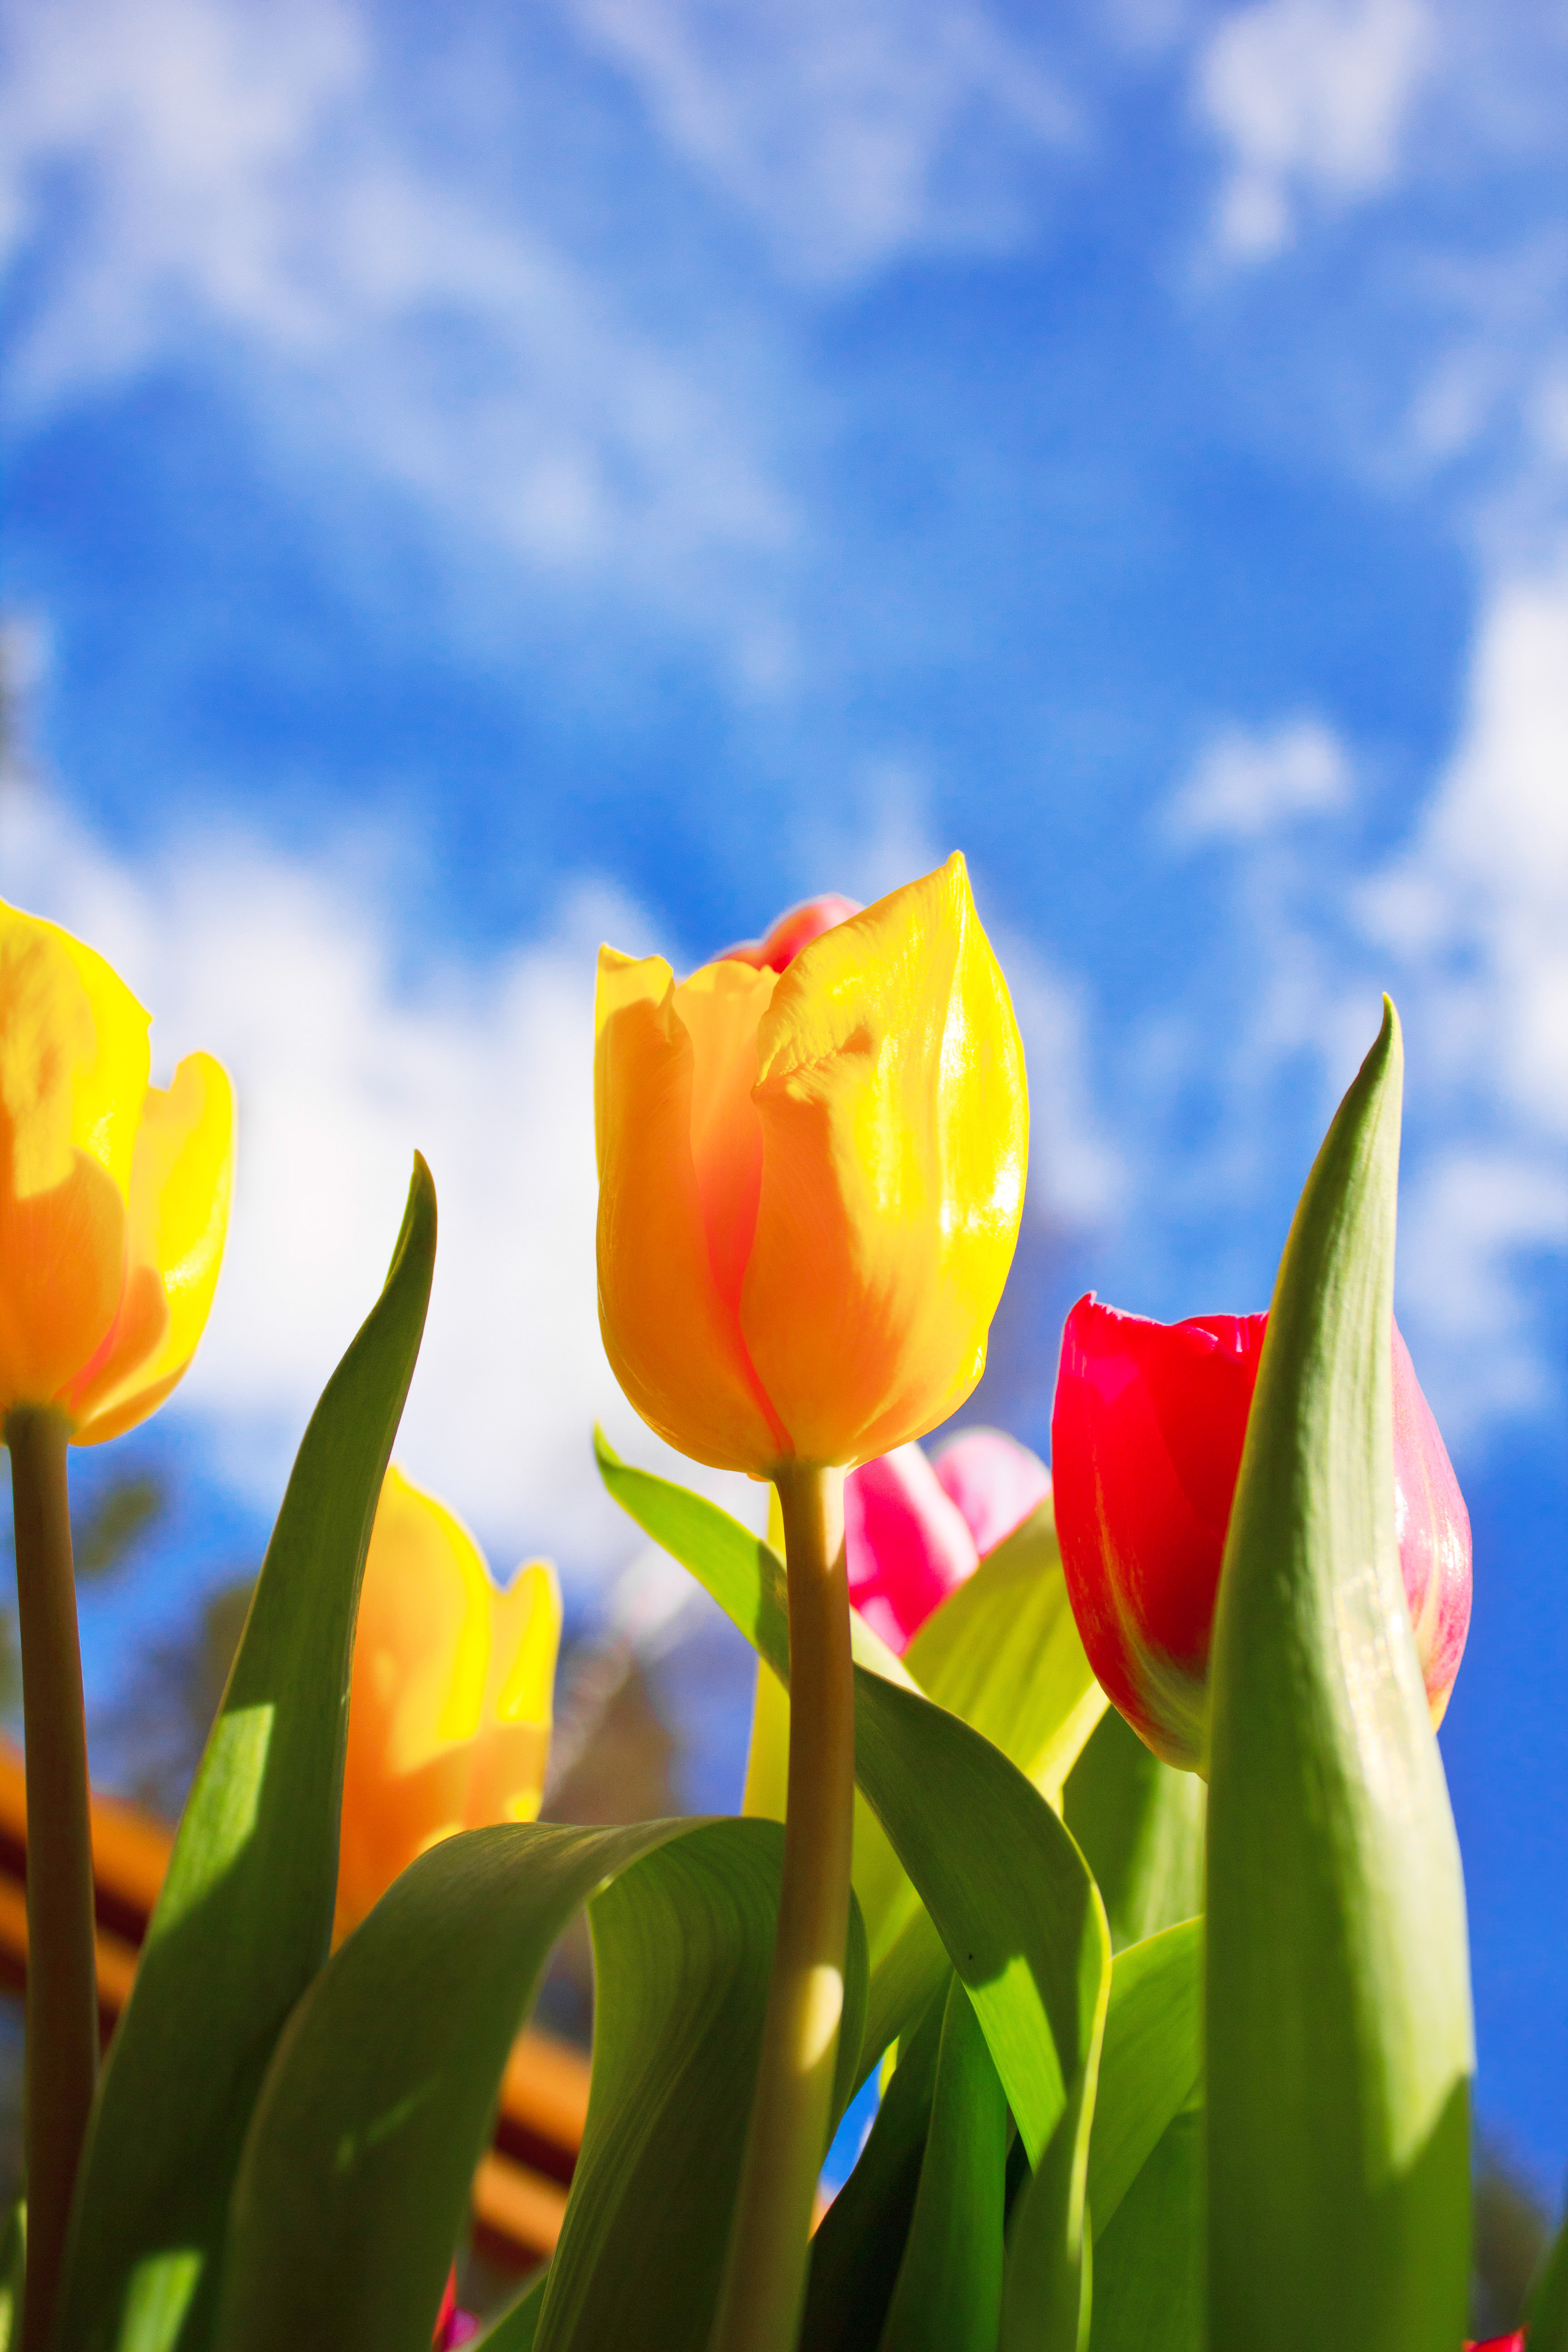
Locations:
column 764, row 2277
column 63, row 1987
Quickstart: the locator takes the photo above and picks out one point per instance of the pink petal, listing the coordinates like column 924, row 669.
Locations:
column 908, row 1543
column 995, row 1480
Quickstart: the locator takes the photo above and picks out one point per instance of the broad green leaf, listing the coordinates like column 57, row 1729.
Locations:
column 515, row 2325
column 377, row 2103
column 1006, row 1889
column 856, row 2253
column 1149, row 2263
column 379, row 2100
column 746, row 1577
column 245, row 1918
column 1139, row 1824
column 682, row 1949
column 1549, row 2300
column 1150, row 2065
column 1003, row 1652
column 948, row 2294
column 1045, row 2284
column 1338, row 2039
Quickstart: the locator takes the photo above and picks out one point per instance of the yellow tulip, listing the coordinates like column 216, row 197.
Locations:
column 114, row 1194
column 450, row 1702
column 810, row 1183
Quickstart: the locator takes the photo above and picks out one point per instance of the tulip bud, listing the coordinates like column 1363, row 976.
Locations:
column 916, row 1527
column 451, row 1702
column 114, row 1194
column 810, row 1182
column 1146, row 1439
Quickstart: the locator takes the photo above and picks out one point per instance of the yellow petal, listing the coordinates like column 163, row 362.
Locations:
column 61, row 1254
column 181, row 1179
column 421, row 1660
column 663, row 1093
column 73, row 1058
column 895, row 1125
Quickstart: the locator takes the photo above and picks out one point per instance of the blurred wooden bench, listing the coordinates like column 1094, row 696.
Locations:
column 519, row 2190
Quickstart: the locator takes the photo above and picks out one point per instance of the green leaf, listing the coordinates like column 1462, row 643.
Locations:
column 1016, row 1908
column 245, row 1918
column 1006, row 1887
column 948, row 2296
column 682, row 1949
column 856, row 2253
column 1150, row 2066
column 1139, row 1824
column 378, row 2102
column 1045, row 2284
column 1149, row 2263
column 1548, row 2312
column 1003, row 1652
column 514, row 2328
column 1338, row 2041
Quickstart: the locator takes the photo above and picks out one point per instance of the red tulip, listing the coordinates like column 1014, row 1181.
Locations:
column 794, row 931
column 1514, row 2342
column 1146, row 1440
column 916, row 1526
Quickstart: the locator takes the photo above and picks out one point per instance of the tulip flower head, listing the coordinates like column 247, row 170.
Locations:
column 451, row 1702
column 1146, row 1440
column 810, row 1181
column 916, row 1526
column 113, row 1194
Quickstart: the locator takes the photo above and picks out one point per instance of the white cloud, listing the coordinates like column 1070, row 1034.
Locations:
column 239, row 188
column 341, row 1070
column 1246, row 783
column 1309, row 97
column 852, row 129
column 1470, row 1221
column 1479, row 902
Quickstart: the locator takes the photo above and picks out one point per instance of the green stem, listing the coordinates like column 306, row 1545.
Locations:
column 764, row 2277
column 63, row 1987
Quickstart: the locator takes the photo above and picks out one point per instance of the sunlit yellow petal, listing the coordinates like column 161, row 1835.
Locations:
column 670, row 1335
column 525, row 1634
column 181, row 1179
column 895, row 1127
column 107, row 1109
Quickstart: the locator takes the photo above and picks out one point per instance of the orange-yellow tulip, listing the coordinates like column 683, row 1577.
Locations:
column 810, row 1182
column 451, row 1702
column 114, row 1194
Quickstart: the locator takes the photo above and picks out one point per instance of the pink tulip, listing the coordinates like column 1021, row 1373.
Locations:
column 915, row 1526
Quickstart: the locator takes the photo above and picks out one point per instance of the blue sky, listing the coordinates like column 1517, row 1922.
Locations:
column 481, row 483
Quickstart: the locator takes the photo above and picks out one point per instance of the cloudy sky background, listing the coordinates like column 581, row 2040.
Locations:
column 481, row 484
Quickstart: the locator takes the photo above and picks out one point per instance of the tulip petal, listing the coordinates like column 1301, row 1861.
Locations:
column 422, row 1645
column 895, row 1129
column 61, row 1257
column 995, row 1480
column 1433, row 1528
column 181, row 1179
column 73, row 1058
column 665, row 1117
column 906, row 1544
